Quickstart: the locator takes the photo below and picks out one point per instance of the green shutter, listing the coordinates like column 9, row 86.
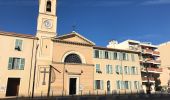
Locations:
column 122, row 84
column 22, row 64
column 136, row 70
column 102, row 84
column 20, row 44
column 121, row 69
column 16, row 43
column 117, row 68
column 127, row 56
column 130, row 85
column 111, row 69
column 10, row 63
column 118, row 84
column 95, row 84
column 129, row 70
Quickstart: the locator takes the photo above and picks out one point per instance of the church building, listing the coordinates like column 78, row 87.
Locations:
column 69, row 64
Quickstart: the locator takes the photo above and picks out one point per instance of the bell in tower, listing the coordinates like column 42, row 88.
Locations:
column 48, row 7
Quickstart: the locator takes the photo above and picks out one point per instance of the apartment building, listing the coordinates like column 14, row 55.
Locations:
column 165, row 64
column 149, row 61
column 16, row 59
column 116, row 71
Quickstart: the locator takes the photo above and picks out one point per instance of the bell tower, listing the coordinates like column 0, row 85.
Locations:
column 47, row 19
column 46, row 28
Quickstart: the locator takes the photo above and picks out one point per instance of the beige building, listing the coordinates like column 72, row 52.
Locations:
column 149, row 61
column 16, row 59
column 165, row 63
column 117, row 71
column 48, row 64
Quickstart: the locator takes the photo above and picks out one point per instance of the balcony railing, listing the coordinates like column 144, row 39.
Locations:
column 150, row 60
column 157, row 61
column 149, row 51
column 156, row 53
column 145, row 79
column 153, row 70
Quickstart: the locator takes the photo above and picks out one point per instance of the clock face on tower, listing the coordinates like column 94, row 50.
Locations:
column 48, row 23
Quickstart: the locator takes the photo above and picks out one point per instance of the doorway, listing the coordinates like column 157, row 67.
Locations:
column 72, row 86
column 13, row 87
column 108, row 86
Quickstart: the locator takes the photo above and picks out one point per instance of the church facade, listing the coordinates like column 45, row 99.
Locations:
column 65, row 65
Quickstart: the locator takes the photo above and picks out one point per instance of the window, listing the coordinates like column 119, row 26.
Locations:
column 115, row 56
column 123, row 84
column 133, row 70
column 110, row 55
column 125, row 56
column 119, row 69
column 72, row 58
column 126, row 85
column 18, row 45
column 48, row 6
column 109, row 69
column 98, row 68
column 118, row 84
column 96, row 53
column 106, row 55
column 98, row 84
column 101, row 54
column 129, row 70
column 136, row 85
column 126, row 69
column 16, row 63
column 133, row 57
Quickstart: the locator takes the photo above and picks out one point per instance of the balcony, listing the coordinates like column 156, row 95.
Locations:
column 150, row 60
column 134, row 48
column 156, row 53
column 152, row 70
column 148, row 51
column 145, row 79
column 157, row 62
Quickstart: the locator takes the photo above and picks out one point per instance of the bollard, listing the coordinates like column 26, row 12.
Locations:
column 41, row 94
column 52, row 93
column 81, row 92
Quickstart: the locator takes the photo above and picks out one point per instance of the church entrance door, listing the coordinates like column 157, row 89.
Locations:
column 72, row 86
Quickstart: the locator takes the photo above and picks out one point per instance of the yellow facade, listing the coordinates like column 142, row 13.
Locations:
column 72, row 61
column 23, row 76
column 165, row 64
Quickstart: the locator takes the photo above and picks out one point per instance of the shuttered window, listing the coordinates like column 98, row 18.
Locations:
column 18, row 45
column 16, row 63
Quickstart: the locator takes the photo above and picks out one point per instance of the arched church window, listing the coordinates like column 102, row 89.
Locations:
column 72, row 58
column 48, row 8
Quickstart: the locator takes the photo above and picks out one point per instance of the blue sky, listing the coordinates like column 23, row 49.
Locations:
column 97, row 20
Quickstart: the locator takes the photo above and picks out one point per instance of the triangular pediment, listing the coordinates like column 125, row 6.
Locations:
column 75, row 37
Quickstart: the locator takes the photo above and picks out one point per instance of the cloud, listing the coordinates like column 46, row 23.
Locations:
column 155, row 2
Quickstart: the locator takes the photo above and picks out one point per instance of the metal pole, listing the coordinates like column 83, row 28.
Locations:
column 49, row 82
column 33, row 86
